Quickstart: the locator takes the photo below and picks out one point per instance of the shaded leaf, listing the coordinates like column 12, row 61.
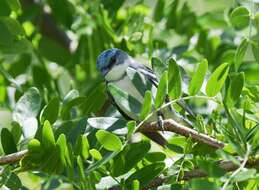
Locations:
column 158, row 67
column 7, row 141
column 240, row 53
column 234, row 88
column 174, row 79
column 145, row 174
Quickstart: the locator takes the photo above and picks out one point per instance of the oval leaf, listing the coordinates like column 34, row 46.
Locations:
column 198, row 78
column 147, row 105
column 234, row 89
column 240, row 52
column 217, row 80
column 7, row 141
column 50, row 111
column 239, row 17
column 161, row 90
column 108, row 140
column 48, row 140
column 158, row 67
column 174, row 79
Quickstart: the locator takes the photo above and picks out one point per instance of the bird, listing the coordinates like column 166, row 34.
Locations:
column 117, row 68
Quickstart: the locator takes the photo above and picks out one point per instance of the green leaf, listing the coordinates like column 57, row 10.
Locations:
column 26, row 110
column 82, row 147
column 161, row 90
column 244, row 175
column 101, row 160
column 217, row 79
column 155, row 156
column 113, row 124
column 174, row 79
column 95, row 154
column 211, row 168
column 34, row 146
column 135, row 185
column 7, row 141
column 198, row 184
column 145, row 174
column 47, row 139
column 131, row 125
column 126, row 102
column 239, row 17
column 108, row 140
column 256, row 21
column 234, row 89
column 16, row 131
column 63, row 151
column 10, row 78
column 14, row 5
column 52, row 51
column 159, row 10
column 129, row 157
column 50, row 111
column 158, row 67
column 69, row 103
column 13, row 182
column 198, row 78
column 240, row 53
column 255, row 49
column 147, row 105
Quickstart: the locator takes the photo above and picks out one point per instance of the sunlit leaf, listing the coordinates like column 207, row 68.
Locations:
column 239, row 17
column 108, row 140
column 217, row 79
column 147, row 105
column 161, row 90
column 198, row 78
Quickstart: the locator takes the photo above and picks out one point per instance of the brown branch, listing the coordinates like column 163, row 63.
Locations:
column 227, row 166
column 173, row 126
column 46, row 24
column 12, row 158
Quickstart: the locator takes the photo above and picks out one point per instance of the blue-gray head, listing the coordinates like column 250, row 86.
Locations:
column 110, row 58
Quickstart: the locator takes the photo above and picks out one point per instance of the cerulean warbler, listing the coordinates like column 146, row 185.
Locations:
column 118, row 68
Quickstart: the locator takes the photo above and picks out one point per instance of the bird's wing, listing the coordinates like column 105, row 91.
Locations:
column 153, row 79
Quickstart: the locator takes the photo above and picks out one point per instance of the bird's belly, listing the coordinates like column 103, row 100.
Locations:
column 126, row 85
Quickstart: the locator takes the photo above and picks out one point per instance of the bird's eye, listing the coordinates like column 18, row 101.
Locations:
column 112, row 60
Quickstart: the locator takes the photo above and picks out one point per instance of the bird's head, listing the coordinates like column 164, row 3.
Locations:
column 111, row 58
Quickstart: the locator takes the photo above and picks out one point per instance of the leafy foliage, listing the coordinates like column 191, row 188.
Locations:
column 54, row 104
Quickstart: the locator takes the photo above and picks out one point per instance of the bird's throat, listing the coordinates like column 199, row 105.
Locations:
column 117, row 72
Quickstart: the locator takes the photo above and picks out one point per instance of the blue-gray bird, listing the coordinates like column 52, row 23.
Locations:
column 117, row 67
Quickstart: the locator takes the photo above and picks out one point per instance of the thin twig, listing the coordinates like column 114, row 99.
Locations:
column 12, row 158
column 173, row 126
column 227, row 166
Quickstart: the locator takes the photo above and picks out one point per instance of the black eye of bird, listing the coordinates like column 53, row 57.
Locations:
column 112, row 61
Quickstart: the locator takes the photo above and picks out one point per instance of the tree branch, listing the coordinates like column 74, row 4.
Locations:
column 12, row 158
column 173, row 126
column 46, row 25
column 227, row 166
